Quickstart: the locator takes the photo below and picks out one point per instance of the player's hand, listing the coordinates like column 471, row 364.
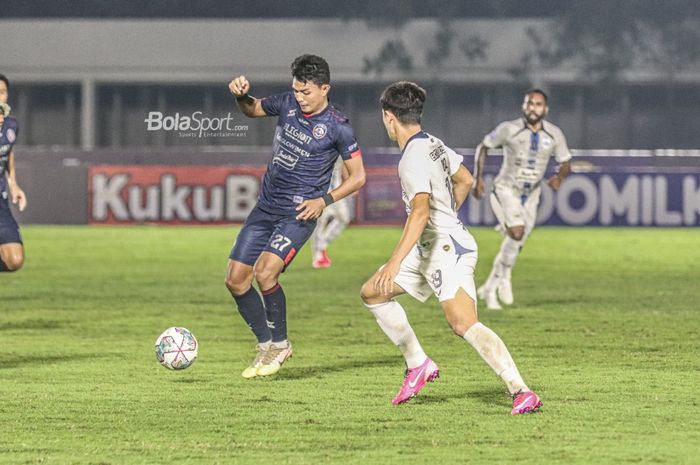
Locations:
column 383, row 280
column 554, row 182
column 239, row 86
column 18, row 197
column 311, row 209
column 479, row 188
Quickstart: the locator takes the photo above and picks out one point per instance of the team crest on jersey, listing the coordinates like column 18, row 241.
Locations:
column 546, row 142
column 319, row 131
column 11, row 136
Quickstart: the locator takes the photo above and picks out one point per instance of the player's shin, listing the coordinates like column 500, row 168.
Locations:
column 392, row 318
column 251, row 308
column 276, row 309
column 494, row 352
column 509, row 252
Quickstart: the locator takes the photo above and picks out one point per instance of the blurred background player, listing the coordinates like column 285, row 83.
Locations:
column 528, row 142
column 336, row 217
column 11, row 246
column 436, row 254
column 310, row 135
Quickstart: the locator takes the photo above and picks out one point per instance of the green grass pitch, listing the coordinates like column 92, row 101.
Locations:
column 606, row 328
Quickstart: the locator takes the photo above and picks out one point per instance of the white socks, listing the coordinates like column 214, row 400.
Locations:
column 494, row 352
column 510, row 248
column 394, row 322
column 504, row 261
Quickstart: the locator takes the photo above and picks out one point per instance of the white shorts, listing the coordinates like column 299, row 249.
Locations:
column 341, row 210
column 440, row 268
column 511, row 210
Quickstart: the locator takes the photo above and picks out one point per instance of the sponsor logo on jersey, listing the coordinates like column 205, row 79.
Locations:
column 292, row 113
column 319, row 131
column 296, row 134
column 437, row 153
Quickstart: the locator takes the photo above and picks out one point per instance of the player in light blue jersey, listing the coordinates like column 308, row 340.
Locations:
column 11, row 245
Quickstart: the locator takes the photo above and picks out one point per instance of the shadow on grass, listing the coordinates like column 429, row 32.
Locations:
column 15, row 361
column 31, row 324
column 316, row 371
column 491, row 397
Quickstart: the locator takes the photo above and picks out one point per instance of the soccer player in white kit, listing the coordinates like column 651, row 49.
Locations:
column 335, row 218
column 436, row 254
column 528, row 143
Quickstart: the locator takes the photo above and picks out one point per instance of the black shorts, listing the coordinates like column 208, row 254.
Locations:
column 9, row 229
column 282, row 235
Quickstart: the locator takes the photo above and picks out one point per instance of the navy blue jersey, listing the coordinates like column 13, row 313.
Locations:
column 304, row 152
column 8, row 136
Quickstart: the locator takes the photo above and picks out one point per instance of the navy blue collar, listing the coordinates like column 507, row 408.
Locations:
column 419, row 135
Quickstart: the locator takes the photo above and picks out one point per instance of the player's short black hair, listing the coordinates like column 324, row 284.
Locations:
column 311, row 68
column 537, row 90
column 405, row 100
column 4, row 79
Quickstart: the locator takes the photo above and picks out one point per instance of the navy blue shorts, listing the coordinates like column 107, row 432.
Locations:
column 9, row 230
column 282, row 235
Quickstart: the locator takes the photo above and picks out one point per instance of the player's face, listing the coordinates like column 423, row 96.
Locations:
column 388, row 120
column 3, row 92
column 311, row 97
column 534, row 107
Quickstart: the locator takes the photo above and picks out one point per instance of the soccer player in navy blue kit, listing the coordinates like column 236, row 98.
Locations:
column 310, row 135
column 11, row 246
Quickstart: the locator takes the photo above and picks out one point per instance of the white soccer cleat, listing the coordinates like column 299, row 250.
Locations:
column 492, row 300
column 251, row 371
column 505, row 291
column 274, row 357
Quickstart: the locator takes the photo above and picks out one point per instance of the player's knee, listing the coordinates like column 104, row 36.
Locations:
column 237, row 284
column 266, row 277
column 368, row 294
column 461, row 326
column 516, row 234
column 14, row 261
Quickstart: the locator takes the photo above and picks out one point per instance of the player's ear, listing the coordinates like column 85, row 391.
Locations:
column 325, row 88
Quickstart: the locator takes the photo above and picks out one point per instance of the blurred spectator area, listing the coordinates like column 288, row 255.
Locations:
column 91, row 83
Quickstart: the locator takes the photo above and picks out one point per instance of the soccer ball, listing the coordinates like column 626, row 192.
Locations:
column 176, row 348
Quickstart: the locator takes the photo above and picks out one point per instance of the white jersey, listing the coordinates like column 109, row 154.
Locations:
column 526, row 153
column 427, row 165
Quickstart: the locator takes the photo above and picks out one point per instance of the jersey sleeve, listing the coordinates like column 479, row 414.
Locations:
column 455, row 160
column 12, row 130
column 273, row 105
column 562, row 154
column 497, row 137
column 414, row 173
column 346, row 144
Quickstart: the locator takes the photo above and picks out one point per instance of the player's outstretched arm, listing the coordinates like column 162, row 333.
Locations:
column 383, row 281
column 462, row 182
column 16, row 193
column 556, row 180
column 480, row 159
column 250, row 106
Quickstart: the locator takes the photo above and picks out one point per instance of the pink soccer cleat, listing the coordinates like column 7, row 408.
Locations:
column 415, row 380
column 526, row 402
column 322, row 260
